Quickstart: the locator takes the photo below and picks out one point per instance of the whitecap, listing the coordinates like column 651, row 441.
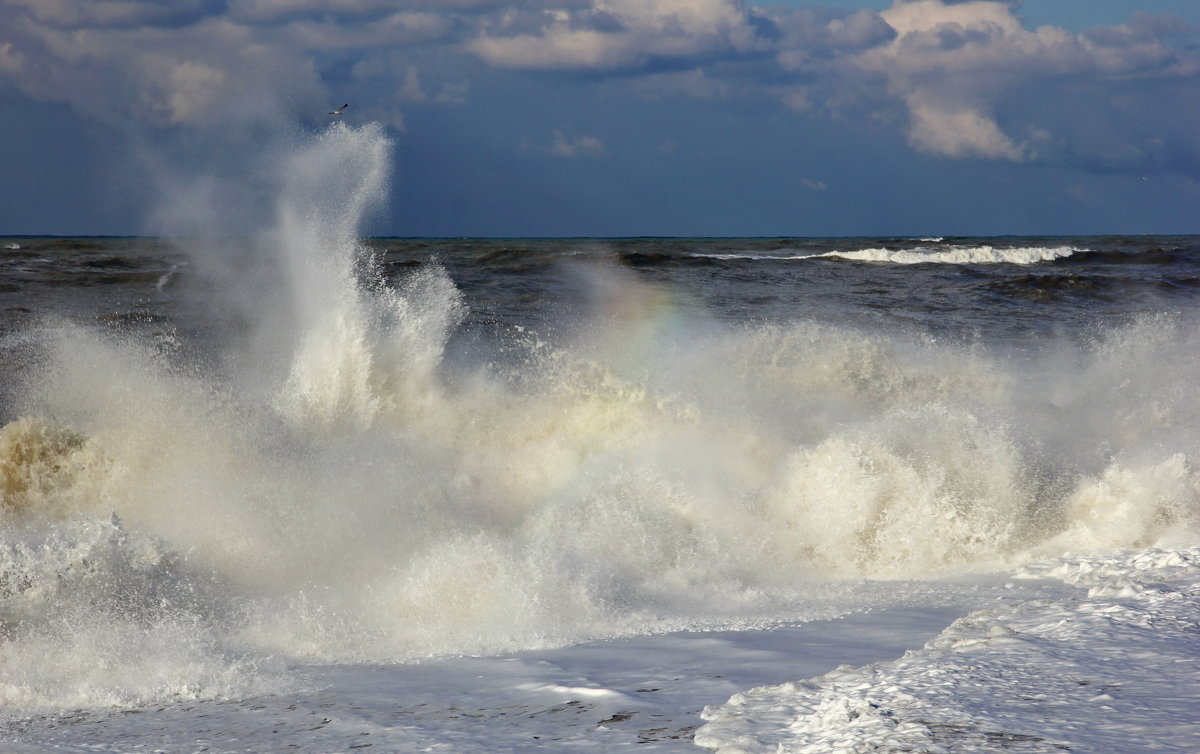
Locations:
column 958, row 255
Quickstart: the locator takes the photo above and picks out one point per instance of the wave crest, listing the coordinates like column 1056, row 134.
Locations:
column 958, row 255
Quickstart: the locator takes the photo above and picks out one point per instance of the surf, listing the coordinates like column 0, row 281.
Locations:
column 338, row 484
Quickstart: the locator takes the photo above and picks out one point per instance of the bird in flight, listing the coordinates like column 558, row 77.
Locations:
column 339, row 110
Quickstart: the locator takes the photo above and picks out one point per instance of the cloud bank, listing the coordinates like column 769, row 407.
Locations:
column 956, row 80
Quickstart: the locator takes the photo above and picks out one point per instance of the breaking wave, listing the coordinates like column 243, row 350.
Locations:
column 958, row 255
column 337, row 489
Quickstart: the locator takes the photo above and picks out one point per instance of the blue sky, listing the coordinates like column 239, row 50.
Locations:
column 611, row 117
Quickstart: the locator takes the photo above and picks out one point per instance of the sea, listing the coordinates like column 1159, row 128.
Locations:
column 302, row 489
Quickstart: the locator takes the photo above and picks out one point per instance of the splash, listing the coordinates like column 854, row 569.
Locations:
column 337, row 490
column 38, row 464
column 357, row 339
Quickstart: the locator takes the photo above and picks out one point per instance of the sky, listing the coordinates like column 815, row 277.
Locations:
column 611, row 117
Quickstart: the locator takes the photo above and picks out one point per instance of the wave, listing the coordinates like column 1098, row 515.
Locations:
column 337, row 489
column 953, row 255
column 958, row 255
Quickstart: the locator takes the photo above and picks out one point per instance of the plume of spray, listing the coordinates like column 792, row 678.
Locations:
column 330, row 184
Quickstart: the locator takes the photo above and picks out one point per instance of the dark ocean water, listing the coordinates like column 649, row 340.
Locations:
column 996, row 287
column 1014, row 293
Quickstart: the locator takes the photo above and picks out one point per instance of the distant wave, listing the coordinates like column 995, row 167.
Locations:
column 12, row 246
column 952, row 255
column 958, row 255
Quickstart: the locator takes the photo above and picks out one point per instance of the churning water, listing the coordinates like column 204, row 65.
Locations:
column 223, row 456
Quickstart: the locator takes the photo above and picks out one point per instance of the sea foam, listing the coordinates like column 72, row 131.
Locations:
column 1104, row 672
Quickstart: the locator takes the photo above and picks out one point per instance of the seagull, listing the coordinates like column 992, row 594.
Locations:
column 339, row 110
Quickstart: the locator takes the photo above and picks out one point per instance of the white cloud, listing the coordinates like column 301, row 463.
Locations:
column 950, row 64
column 558, row 47
column 943, row 65
column 686, row 17
column 925, row 15
column 953, row 129
column 614, row 34
column 188, row 89
column 202, row 73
